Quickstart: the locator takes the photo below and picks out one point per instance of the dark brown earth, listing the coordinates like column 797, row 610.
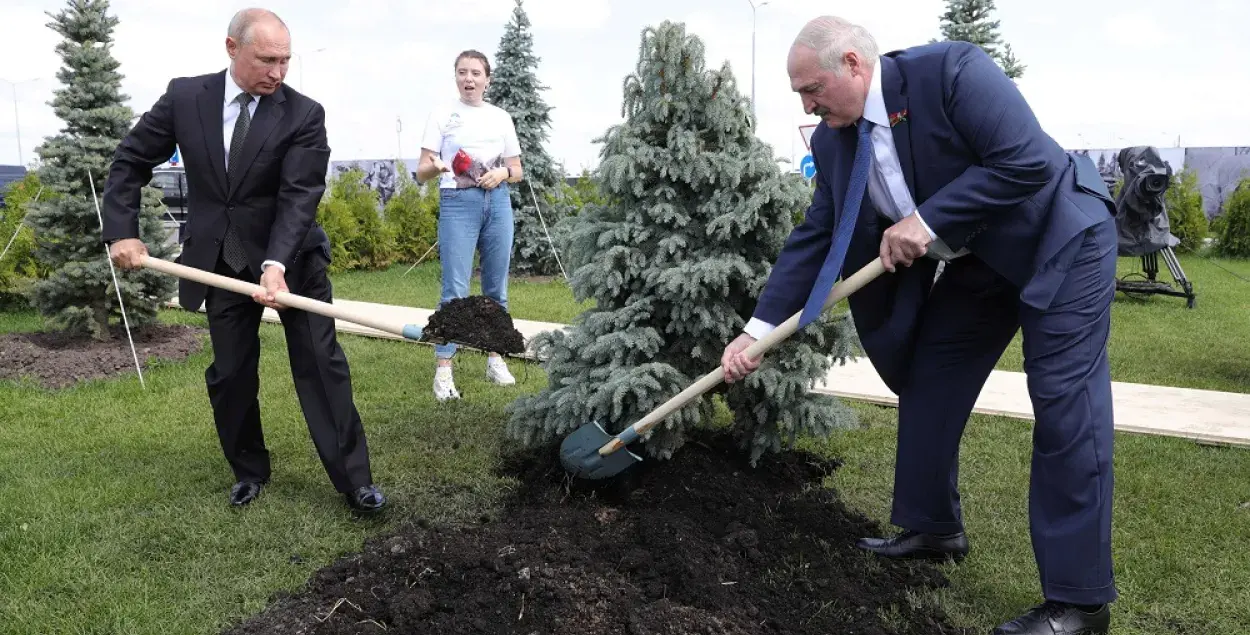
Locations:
column 56, row 360
column 699, row 544
column 477, row 322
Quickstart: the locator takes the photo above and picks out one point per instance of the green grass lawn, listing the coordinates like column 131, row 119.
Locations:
column 113, row 515
column 1156, row 340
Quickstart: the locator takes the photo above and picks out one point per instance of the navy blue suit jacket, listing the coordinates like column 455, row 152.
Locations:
column 983, row 174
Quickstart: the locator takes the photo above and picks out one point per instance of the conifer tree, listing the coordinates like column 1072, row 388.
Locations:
column 78, row 295
column 969, row 21
column 697, row 211
column 515, row 88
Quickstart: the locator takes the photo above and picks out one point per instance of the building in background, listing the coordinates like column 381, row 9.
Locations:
column 1219, row 169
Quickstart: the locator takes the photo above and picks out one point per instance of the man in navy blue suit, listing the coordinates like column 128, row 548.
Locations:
column 930, row 155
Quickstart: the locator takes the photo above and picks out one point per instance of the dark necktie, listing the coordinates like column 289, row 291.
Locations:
column 232, row 250
column 832, row 267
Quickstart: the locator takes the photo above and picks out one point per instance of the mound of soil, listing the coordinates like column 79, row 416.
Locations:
column 57, row 360
column 699, row 544
column 477, row 322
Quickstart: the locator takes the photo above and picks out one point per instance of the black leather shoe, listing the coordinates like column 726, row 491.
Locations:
column 245, row 492
column 1057, row 618
column 912, row 545
column 367, row 499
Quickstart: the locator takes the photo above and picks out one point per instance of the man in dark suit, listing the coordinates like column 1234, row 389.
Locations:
column 256, row 158
column 949, row 165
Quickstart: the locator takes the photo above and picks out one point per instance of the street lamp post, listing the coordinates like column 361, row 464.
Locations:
column 754, row 6
column 17, row 127
column 17, row 123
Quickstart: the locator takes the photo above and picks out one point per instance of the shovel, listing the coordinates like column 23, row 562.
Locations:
column 408, row 331
column 590, row 452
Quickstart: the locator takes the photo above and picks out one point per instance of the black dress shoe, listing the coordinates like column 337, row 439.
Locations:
column 914, row 545
column 245, row 492
column 367, row 499
column 1057, row 618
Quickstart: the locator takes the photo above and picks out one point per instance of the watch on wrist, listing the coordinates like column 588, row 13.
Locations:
column 509, row 168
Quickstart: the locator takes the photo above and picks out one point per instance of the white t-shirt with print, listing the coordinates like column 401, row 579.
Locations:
column 486, row 132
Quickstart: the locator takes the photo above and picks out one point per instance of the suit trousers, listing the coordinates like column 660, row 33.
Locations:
column 318, row 366
column 969, row 318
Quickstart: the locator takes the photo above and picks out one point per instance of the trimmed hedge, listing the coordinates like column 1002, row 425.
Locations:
column 412, row 215
column 1187, row 220
column 349, row 212
column 19, row 267
column 1234, row 237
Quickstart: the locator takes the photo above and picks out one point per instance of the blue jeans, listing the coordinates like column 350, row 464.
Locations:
column 468, row 219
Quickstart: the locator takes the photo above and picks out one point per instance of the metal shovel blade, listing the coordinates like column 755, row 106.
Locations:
column 579, row 453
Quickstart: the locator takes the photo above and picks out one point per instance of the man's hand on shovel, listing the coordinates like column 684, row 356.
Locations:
column 128, row 253
column 272, row 281
column 735, row 361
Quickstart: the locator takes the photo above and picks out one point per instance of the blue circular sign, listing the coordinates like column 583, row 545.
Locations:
column 807, row 167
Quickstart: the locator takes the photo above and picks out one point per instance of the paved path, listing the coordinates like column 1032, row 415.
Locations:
column 1202, row 415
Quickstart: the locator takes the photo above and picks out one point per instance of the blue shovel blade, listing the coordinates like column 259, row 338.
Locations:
column 579, row 453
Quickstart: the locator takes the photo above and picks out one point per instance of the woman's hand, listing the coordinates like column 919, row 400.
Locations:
column 430, row 166
column 493, row 178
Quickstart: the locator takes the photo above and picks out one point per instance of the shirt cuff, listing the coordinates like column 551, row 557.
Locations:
column 926, row 225
column 758, row 328
column 274, row 263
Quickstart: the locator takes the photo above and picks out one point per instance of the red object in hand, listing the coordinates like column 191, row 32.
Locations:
column 461, row 162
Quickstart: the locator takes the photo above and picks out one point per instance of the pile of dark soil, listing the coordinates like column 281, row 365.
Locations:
column 699, row 544
column 57, row 360
column 477, row 322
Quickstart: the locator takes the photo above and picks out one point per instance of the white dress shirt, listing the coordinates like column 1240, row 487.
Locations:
column 887, row 189
column 229, row 114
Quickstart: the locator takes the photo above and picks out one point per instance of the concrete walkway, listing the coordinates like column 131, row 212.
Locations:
column 1205, row 416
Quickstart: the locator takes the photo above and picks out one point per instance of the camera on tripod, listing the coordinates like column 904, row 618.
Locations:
column 1142, row 223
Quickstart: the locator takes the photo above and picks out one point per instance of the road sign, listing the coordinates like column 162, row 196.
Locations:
column 807, row 167
column 174, row 159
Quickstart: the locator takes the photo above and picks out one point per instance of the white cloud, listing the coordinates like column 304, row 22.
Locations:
column 566, row 15
column 543, row 14
column 1134, row 29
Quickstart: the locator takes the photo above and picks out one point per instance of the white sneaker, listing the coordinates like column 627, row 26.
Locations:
column 497, row 371
column 444, row 386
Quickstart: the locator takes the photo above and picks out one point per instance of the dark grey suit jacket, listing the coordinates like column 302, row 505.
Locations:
column 274, row 203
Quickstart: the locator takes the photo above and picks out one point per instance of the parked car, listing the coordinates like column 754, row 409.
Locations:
column 172, row 182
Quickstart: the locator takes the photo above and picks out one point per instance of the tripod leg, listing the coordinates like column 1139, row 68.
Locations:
column 1178, row 274
column 1150, row 265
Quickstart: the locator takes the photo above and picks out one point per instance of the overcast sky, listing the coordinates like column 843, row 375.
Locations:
column 1101, row 73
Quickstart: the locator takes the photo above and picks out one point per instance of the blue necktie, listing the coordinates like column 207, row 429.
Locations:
column 846, row 225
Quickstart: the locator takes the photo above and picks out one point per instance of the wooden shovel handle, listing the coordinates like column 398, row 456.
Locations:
column 709, row 381
column 282, row 297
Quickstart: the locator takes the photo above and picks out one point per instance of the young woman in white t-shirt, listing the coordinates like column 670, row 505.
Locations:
column 472, row 147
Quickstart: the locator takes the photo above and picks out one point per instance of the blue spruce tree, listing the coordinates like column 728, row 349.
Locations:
column 698, row 211
column 969, row 21
column 515, row 88
column 78, row 295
